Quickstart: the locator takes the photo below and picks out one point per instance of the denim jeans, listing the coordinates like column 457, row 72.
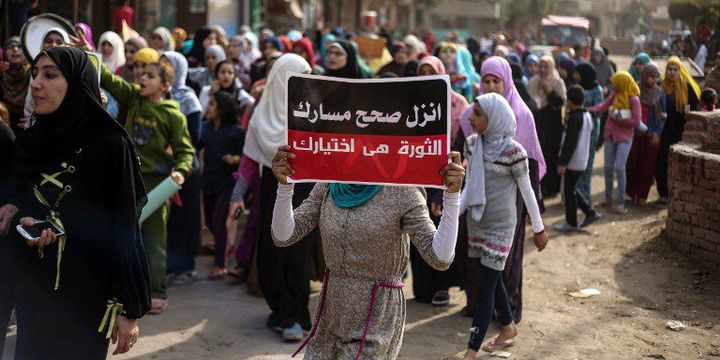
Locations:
column 616, row 156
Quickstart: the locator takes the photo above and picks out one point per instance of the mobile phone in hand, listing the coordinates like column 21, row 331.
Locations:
column 32, row 233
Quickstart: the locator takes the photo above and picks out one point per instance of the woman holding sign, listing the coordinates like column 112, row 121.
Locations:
column 366, row 232
column 77, row 169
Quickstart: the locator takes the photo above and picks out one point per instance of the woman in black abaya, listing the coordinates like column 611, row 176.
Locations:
column 77, row 168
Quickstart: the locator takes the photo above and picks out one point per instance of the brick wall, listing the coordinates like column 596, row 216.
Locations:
column 693, row 224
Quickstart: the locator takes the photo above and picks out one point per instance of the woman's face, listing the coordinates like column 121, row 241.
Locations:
column 48, row 87
column 672, row 72
column 210, row 40
column 268, row 50
column 426, row 70
column 151, row 84
column 335, row 58
column 14, row 54
column 596, row 58
column 211, row 61
column 106, row 48
column 577, row 77
column 478, row 119
column 234, row 49
column 533, row 69
column 448, row 56
column 211, row 111
column 563, row 73
column 651, row 80
column 130, row 53
column 156, row 42
column 638, row 66
column 493, row 84
column 226, row 75
column 138, row 70
column 545, row 69
column 52, row 40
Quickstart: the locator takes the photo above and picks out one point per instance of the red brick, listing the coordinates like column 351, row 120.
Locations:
column 707, row 245
column 704, row 254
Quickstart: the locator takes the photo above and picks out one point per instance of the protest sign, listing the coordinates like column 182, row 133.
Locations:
column 376, row 131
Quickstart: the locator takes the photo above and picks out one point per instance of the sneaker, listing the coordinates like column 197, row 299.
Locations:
column 566, row 228
column 591, row 219
column 293, row 334
column 441, row 298
column 621, row 209
column 184, row 278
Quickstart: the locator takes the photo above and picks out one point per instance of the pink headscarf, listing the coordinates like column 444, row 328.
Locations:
column 526, row 134
column 457, row 101
column 87, row 30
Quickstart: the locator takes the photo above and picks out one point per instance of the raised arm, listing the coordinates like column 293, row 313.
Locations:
column 120, row 89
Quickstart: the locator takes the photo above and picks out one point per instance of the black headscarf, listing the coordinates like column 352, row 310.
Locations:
column 517, row 74
column 54, row 135
column 197, row 52
column 78, row 120
column 588, row 76
column 411, row 69
column 352, row 68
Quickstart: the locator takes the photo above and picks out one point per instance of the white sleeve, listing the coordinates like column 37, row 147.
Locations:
column 528, row 196
column 283, row 221
column 446, row 235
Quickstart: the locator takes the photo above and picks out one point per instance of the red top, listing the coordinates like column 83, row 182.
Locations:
column 123, row 12
column 620, row 130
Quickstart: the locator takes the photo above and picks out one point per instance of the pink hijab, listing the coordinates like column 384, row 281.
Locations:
column 457, row 101
column 526, row 134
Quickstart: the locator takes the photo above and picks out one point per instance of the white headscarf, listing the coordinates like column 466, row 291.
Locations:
column 266, row 131
column 58, row 30
column 117, row 59
column 489, row 146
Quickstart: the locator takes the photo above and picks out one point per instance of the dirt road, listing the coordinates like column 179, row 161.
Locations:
column 643, row 284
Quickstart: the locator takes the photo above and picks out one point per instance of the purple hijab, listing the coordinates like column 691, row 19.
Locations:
column 525, row 134
column 88, row 34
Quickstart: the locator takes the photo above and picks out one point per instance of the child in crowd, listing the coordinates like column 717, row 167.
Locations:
column 708, row 97
column 624, row 116
column 574, row 159
column 154, row 125
column 497, row 166
column 222, row 140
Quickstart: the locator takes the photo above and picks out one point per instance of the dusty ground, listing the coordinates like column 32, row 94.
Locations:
column 644, row 283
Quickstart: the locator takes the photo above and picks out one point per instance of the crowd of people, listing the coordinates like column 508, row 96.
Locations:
column 209, row 112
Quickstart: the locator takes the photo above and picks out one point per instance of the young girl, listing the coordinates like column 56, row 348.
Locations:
column 623, row 118
column 222, row 140
column 586, row 75
column 682, row 96
column 227, row 81
column 132, row 46
column 498, row 166
column 646, row 144
column 154, row 124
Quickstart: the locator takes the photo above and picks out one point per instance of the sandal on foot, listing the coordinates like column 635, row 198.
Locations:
column 158, row 306
column 217, row 274
column 493, row 345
